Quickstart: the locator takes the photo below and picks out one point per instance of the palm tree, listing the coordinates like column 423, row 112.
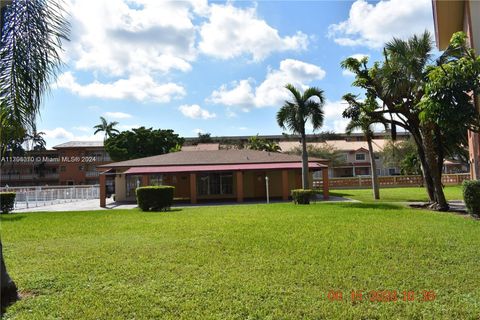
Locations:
column 31, row 35
column 364, row 123
column 293, row 116
column 107, row 127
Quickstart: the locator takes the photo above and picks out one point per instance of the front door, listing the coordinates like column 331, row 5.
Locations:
column 260, row 191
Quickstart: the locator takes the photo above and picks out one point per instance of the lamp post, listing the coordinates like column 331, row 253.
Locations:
column 266, row 186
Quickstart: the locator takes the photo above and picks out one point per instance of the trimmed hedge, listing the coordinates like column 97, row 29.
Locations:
column 155, row 198
column 302, row 196
column 471, row 196
column 7, row 201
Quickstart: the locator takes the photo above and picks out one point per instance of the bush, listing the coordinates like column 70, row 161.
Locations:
column 7, row 201
column 155, row 198
column 471, row 196
column 302, row 196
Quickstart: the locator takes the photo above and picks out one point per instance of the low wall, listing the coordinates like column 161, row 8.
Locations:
column 390, row 181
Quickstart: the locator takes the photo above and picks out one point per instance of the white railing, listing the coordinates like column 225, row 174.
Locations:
column 11, row 177
column 29, row 197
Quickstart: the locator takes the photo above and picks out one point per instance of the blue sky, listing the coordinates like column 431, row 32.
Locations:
column 217, row 67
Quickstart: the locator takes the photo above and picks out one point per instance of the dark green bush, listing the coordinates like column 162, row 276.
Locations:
column 155, row 198
column 7, row 201
column 471, row 196
column 302, row 196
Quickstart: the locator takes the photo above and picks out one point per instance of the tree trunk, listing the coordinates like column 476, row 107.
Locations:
column 441, row 203
column 304, row 162
column 427, row 177
column 373, row 168
column 8, row 289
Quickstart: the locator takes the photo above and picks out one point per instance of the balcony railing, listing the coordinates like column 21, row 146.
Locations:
column 15, row 177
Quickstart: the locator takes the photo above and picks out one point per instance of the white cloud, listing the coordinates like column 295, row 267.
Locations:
column 136, row 36
column 83, row 129
column 140, row 88
column 373, row 25
column 348, row 73
column 231, row 32
column 271, row 92
column 241, row 94
column 117, row 115
column 194, row 111
column 333, row 120
column 60, row 135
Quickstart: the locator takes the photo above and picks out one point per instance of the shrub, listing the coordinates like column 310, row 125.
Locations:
column 7, row 201
column 155, row 198
column 302, row 196
column 471, row 196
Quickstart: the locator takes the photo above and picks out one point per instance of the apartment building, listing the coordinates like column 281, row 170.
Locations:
column 70, row 163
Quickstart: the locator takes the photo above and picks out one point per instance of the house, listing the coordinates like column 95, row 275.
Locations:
column 354, row 157
column 201, row 176
column 450, row 17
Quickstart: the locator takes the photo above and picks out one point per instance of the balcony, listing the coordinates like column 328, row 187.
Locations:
column 16, row 177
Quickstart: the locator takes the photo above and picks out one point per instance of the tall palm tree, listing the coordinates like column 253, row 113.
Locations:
column 360, row 115
column 107, row 127
column 31, row 35
column 364, row 123
column 294, row 114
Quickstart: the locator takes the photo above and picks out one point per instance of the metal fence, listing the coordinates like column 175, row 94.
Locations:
column 29, row 197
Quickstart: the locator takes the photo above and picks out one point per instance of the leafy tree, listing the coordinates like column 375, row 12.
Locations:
column 402, row 154
column 141, row 142
column 415, row 96
column 257, row 143
column 294, row 114
column 31, row 34
column 325, row 151
column 204, row 137
column 107, row 127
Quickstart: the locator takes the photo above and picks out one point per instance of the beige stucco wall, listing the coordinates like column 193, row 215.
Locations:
column 120, row 187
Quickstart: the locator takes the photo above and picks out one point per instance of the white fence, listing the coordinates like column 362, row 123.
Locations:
column 29, row 197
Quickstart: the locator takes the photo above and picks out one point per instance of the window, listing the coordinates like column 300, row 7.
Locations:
column 376, row 156
column 133, row 182
column 215, row 184
column 391, row 171
column 80, row 168
column 360, row 156
column 62, row 169
column 156, row 180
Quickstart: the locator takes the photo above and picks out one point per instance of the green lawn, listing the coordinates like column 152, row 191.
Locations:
column 275, row 261
column 407, row 194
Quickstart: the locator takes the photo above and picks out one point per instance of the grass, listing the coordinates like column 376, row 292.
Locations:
column 275, row 261
column 406, row 194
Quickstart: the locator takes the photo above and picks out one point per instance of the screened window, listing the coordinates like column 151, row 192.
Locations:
column 156, row 180
column 215, row 184
column 360, row 156
column 133, row 182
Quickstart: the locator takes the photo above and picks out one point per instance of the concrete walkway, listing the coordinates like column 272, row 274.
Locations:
column 81, row 205
column 93, row 205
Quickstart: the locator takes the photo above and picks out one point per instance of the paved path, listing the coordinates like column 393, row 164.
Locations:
column 81, row 205
column 92, row 205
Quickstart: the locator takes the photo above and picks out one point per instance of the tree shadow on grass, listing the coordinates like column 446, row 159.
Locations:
column 11, row 217
column 378, row 206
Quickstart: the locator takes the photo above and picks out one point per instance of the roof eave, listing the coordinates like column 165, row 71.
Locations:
column 448, row 19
